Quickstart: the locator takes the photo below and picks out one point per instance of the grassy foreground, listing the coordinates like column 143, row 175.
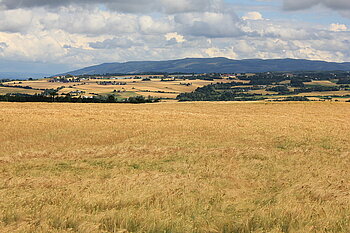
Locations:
column 175, row 167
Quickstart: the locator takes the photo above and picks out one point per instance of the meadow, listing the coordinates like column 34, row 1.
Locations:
column 175, row 167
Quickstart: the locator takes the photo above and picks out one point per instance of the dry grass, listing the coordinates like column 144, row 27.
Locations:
column 6, row 90
column 321, row 83
column 175, row 167
column 325, row 93
column 37, row 84
column 262, row 92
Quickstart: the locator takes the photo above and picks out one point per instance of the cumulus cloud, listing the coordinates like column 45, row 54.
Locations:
column 336, row 27
column 18, row 20
column 149, row 25
column 91, row 22
column 254, row 15
column 175, row 36
column 82, row 32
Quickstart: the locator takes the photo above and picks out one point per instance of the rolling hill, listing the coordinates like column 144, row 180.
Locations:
column 212, row 65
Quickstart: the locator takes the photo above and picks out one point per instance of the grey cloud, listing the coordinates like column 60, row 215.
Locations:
column 299, row 4
column 284, row 30
column 95, row 22
column 67, row 34
column 10, row 4
column 15, row 20
column 165, row 6
column 209, row 24
column 90, row 22
column 114, row 43
column 3, row 46
column 133, row 6
column 171, row 42
column 345, row 13
column 304, row 4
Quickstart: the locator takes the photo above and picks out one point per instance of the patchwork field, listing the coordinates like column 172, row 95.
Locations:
column 175, row 167
column 133, row 87
column 275, row 86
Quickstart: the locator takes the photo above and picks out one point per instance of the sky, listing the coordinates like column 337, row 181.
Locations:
column 53, row 36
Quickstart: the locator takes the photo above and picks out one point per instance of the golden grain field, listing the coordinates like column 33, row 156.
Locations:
column 175, row 167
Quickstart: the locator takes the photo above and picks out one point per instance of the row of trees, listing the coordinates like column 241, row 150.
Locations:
column 68, row 99
column 284, row 90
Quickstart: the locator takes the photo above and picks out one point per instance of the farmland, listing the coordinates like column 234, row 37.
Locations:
column 277, row 86
column 175, row 167
column 130, row 86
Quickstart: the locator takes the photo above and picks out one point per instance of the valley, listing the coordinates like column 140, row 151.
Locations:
column 269, row 86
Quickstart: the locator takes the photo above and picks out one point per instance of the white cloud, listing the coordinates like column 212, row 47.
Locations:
column 336, row 27
column 90, row 22
column 65, row 33
column 149, row 25
column 254, row 15
column 174, row 35
column 18, row 20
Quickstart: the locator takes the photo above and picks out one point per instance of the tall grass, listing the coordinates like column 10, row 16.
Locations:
column 175, row 167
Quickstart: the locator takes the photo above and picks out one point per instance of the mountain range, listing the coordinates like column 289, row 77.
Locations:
column 212, row 65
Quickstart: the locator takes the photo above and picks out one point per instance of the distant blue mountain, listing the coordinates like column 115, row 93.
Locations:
column 212, row 65
column 21, row 75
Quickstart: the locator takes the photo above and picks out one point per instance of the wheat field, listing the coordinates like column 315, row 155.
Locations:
column 175, row 167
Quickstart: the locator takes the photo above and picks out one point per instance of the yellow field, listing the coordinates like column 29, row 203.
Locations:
column 325, row 93
column 6, row 90
column 39, row 84
column 263, row 92
column 321, row 83
column 175, row 167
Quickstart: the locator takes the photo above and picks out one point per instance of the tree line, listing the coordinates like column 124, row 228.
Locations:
column 69, row 99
